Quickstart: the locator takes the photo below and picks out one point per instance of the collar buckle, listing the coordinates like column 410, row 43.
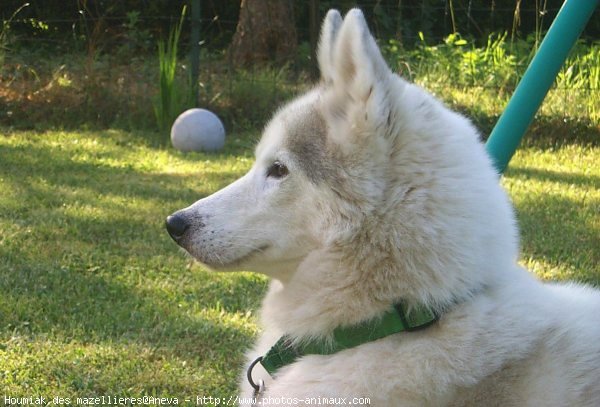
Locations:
column 423, row 318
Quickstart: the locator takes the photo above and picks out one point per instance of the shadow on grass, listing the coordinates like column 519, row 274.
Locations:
column 89, row 304
column 544, row 132
column 57, row 168
column 553, row 132
column 554, row 176
column 560, row 231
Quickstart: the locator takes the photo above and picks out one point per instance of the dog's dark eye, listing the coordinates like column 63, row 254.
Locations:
column 277, row 170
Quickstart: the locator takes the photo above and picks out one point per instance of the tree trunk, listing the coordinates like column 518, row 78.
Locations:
column 266, row 32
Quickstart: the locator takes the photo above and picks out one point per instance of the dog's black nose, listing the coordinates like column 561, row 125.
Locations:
column 176, row 226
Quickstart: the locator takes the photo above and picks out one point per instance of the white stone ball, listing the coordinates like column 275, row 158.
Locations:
column 198, row 130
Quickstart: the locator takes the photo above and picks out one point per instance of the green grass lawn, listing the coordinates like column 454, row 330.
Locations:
column 97, row 300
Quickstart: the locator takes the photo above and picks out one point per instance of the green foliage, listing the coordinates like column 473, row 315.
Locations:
column 174, row 96
column 135, row 39
column 582, row 69
column 498, row 64
column 580, row 75
column 251, row 97
column 460, row 62
column 5, row 32
column 71, row 90
column 496, row 68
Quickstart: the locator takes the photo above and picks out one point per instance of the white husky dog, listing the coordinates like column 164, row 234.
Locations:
column 367, row 193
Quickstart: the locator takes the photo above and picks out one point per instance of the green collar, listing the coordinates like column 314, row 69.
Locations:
column 393, row 321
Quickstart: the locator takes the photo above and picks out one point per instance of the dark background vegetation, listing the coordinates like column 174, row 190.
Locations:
column 93, row 63
column 108, row 22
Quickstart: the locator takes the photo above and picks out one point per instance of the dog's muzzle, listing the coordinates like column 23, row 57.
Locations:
column 176, row 226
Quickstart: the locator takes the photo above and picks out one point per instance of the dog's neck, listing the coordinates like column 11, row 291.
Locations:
column 332, row 289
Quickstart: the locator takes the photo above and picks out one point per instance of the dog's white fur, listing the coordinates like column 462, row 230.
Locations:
column 391, row 196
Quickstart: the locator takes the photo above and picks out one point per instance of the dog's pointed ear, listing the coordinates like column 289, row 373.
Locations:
column 358, row 63
column 329, row 29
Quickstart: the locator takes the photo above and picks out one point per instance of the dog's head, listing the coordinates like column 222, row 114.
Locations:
column 362, row 158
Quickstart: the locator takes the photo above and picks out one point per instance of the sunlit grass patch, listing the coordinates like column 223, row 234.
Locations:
column 557, row 195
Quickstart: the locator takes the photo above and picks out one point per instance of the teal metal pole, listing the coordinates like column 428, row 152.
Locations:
column 539, row 76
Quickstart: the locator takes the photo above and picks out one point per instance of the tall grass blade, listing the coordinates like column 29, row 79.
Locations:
column 172, row 98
